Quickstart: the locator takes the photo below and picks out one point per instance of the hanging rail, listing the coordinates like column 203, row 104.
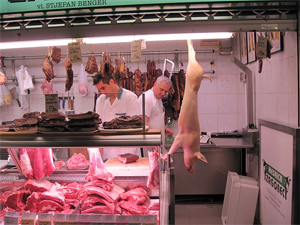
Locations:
column 111, row 54
column 75, row 76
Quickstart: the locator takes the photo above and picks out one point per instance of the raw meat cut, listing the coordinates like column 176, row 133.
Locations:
column 70, row 190
column 100, row 183
column 49, row 206
column 38, row 164
column 2, row 78
column 111, row 196
column 136, row 195
column 153, row 177
column 17, row 200
column 133, row 209
column 154, row 204
column 92, row 201
column 37, row 185
column 97, row 169
column 46, row 87
column 41, row 160
column 77, row 162
column 25, row 163
column 128, row 158
column 49, row 167
column 188, row 136
column 32, row 202
column 59, row 164
column 53, row 195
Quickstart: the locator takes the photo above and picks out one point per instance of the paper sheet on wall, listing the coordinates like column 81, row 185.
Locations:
column 136, row 53
column 261, row 47
column 51, row 103
column 74, row 52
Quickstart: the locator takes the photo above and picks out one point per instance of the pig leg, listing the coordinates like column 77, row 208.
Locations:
column 188, row 124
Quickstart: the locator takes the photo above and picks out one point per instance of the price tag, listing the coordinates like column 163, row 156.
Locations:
column 11, row 220
column 45, row 222
column 51, row 103
column 261, row 47
column 74, row 52
column 27, row 222
column 136, row 52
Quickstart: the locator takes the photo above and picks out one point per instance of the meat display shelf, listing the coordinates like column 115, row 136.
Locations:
column 152, row 138
column 69, row 139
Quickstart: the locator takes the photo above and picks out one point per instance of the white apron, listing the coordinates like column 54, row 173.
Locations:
column 157, row 122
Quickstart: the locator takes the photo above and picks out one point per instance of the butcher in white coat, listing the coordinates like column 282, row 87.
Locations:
column 114, row 101
column 154, row 109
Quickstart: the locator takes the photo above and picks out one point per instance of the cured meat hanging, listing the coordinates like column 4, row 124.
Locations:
column 91, row 65
column 55, row 54
column 48, row 68
column 69, row 80
column 106, row 67
column 138, row 82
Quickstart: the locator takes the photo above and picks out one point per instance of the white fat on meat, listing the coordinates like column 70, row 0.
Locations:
column 25, row 163
column 97, row 169
column 188, row 124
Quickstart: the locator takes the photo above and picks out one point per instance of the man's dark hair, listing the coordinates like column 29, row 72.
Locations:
column 105, row 80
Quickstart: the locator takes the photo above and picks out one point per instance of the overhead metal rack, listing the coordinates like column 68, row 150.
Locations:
column 218, row 11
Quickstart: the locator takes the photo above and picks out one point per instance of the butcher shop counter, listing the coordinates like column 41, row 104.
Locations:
column 223, row 155
column 163, row 195
column 151, row 137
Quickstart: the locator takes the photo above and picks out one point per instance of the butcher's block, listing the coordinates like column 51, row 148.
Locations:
column 137, row 168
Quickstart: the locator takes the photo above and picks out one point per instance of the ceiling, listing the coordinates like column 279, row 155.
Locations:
column 149, row 19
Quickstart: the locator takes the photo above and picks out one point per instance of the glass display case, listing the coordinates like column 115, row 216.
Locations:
column 158, row 210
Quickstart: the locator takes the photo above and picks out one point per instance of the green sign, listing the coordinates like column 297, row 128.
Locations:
column 19, row 6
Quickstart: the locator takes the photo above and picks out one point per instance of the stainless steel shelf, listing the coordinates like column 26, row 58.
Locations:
column 64, row 139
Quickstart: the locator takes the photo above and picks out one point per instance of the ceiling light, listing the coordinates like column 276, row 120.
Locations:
column 115, row 39
column 37, row 43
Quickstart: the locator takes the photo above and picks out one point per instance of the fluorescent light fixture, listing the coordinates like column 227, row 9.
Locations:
column 34, row 44
column 157, row 37
column 115, row 39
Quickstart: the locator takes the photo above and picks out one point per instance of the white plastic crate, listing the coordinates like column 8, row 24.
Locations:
column 240, row 199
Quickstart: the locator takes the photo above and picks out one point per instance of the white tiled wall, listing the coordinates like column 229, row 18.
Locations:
column 276, row 88
column 221, row 103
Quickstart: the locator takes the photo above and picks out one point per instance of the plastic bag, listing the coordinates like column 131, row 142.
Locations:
column 20, row 74
column 5, row 97
column 82, row 81
column 28, row 85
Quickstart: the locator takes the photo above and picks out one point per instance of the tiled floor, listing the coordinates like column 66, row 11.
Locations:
column 186, row 214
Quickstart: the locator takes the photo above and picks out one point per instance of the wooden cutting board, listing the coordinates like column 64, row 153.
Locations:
column 137, row 168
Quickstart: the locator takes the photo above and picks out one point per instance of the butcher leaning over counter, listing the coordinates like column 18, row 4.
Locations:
column 114, row 101
column 154, row 109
